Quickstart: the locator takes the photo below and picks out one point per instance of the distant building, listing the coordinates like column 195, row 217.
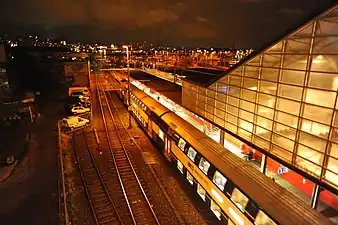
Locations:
column 77, row 73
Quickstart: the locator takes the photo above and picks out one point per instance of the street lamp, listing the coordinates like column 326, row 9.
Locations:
column 128, row 71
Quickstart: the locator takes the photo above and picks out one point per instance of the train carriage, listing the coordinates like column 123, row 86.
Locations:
column 235, row 191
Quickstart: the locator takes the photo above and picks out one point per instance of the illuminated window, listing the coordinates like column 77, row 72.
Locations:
column 161, row 134
column 215, row 209
column 204, row 165
column 180, row 166
column 201, row 192
column 181, row 144
column 192, row 153
column 190, row 178
column 263, row 219
column 219, row 180
column 239, row 198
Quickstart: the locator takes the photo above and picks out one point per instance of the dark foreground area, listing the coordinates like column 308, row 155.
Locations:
column 30, row 194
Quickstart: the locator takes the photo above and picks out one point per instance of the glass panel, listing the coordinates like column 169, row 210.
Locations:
column 322, row 98
column 234, row 80
column 219, row 113
column 245, row 133
column 334, row 135
column 310, row 154
column 254, row 61
column 269, row 74
column 220, row 105
column 284, row 154
column 326, row 45
column 234, row 91
column 304, row 32
column 264, row 111
column 192, row 153
column 204, row 165
column 231, row 127
column 250, row 83
column 298, row 45
column 251, row 72
column 221, row 97
column 263, row 122
column 285, row 131
column 286, row 119
column 333, row 150
column 215, row 209
column 263, row 219
column 315, row 128
column 328, row 201
column 201, row 192
column 263, row 133
column 308, row 166
column 239, row 198
column 292, row 77
column 190, row 178
column 222, row 87
column 180, row 166
column 283, row 142
column 211, row 101
column 219, row 180
column 248, row 106
column 211, row 93
column 219, row 121
column 245, row 125
column 276, row 48
column 271, row 60
column 268, row 87
column 319, row 114
column 233, row 101
column 295, row 62
column 246, row 115
column 266, row 100
column 181, row 144
column 291, row 92
column 325, row 63
column 249, row 95
column 289, row 106
column 327, row 28
column 232, row 119
column 262, row 143
column 324, row 81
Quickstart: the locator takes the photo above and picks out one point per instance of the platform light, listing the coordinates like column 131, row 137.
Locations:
column 237, row 217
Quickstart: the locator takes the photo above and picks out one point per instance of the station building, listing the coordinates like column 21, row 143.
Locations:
column 281, row 104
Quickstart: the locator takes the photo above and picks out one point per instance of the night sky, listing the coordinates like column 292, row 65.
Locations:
column 191, row 23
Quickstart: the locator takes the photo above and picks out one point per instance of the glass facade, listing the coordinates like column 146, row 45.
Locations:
column 284, row 99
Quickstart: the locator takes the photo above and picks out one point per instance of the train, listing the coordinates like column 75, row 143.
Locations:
column 235, row 191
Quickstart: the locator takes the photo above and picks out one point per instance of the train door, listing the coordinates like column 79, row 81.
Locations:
column 167, row 148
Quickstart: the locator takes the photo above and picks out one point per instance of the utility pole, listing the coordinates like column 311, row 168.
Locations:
column 128, row 71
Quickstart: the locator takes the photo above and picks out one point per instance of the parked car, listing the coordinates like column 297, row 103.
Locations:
column 80, row 109
column 73, row 122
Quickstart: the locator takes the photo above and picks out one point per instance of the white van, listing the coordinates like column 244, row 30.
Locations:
column 73, row 122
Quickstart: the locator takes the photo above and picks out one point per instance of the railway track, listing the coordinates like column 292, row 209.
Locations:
column 139, row 205
column 100, row 201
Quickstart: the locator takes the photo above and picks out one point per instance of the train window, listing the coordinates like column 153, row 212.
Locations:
column 215, row 209
column 161, row 134
column 219, row 180
column 239, row 198
column 201, row 191
column 192, row 153
column 190, row 178
column 263, row 219
column 204, row 165
column 180, row 166
column 181, row 144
